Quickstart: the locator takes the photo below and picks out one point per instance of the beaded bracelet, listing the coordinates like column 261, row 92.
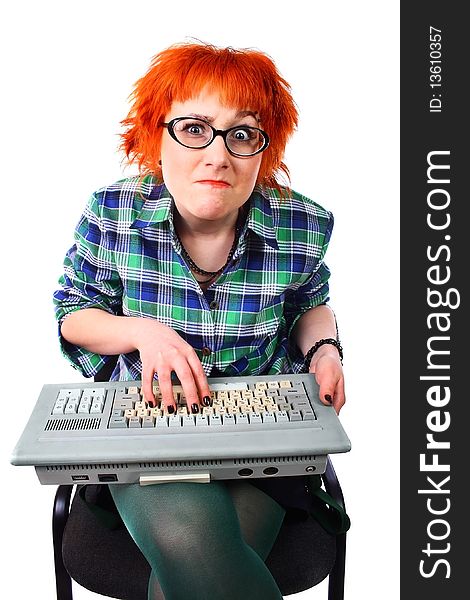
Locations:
column 314, row 348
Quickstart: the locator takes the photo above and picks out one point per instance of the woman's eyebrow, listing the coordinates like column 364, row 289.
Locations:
column 203, row 117
column 240, row 115
column 246, row 113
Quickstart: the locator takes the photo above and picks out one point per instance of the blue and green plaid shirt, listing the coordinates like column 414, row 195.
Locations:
column 127, row 260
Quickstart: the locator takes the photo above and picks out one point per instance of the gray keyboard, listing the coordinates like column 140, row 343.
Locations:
column 261, row 426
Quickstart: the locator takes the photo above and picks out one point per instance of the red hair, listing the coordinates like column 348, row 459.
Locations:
column 246, row 79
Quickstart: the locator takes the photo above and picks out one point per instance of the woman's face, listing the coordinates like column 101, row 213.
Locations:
column 209, row 184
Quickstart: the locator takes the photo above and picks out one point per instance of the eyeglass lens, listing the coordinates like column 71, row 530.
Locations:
column 242, row 139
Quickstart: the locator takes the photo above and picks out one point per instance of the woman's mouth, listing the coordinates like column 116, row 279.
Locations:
column 218, row 183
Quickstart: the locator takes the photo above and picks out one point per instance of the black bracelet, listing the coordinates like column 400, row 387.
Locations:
column 314, row 348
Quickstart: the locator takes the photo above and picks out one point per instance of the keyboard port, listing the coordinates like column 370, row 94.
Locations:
column 245, row 472
column 80, row 478
column 104, row 478
column 270, row 470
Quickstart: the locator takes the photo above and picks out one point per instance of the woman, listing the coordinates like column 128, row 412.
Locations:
column 204, row 265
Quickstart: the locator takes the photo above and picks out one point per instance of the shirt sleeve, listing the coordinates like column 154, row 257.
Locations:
column 90, row 280
column 315, row 290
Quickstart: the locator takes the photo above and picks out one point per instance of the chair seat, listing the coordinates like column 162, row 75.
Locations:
column 109, row 563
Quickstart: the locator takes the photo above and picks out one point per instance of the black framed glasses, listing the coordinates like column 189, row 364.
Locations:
column 241, row 140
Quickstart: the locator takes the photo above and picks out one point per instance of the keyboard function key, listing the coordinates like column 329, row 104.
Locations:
column 59, row 407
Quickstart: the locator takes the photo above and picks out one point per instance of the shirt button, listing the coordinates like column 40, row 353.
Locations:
column 214, row 305
column 206, row 351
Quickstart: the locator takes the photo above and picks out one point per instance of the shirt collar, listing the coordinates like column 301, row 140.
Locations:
column 158, row 206
column 260, row 218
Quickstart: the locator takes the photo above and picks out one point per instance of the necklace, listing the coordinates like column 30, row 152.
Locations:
column 210, row 274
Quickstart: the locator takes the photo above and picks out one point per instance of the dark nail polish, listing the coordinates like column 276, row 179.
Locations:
column 194, row 408
column 328, row 398
column 206, row 401
column 171, row 409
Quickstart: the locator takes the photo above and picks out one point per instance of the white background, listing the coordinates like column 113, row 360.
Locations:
column 67, row 70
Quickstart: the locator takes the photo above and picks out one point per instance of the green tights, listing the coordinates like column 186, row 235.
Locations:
column 203, row 541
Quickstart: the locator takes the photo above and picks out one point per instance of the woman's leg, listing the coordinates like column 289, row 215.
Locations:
column 192, row 537
column 259, row 515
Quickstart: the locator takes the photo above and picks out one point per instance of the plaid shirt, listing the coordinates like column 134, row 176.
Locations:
column 127, row 260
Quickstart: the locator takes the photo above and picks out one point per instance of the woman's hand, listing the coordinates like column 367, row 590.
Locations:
column 162, row 351
column 326, row 365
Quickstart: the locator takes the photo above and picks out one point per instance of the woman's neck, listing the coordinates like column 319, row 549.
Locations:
column 188, row 226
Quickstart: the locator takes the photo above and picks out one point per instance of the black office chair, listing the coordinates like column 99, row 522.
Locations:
column 108, row 562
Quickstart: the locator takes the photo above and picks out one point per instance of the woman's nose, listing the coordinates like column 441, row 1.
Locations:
column 216, row 152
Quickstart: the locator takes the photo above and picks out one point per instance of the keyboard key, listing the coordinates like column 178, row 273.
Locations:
column 202, row 421
column 297, row 388
column 96, row 407
column 255, row 419
column 73, row 394
column 281, row 416
column 135, row 422
column 242, row 419
column 118, row 423
column 268, row 418
column 123, row 404
column 99, row 394
column 148, row 422
column 234, row 385
column 59, row 407
column 125, row 396
column 294, row 415
column 228, row 420
column 188, row 421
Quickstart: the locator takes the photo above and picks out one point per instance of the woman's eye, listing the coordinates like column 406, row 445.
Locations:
column 241, row 134
column 244, row 134
column 193, row 128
